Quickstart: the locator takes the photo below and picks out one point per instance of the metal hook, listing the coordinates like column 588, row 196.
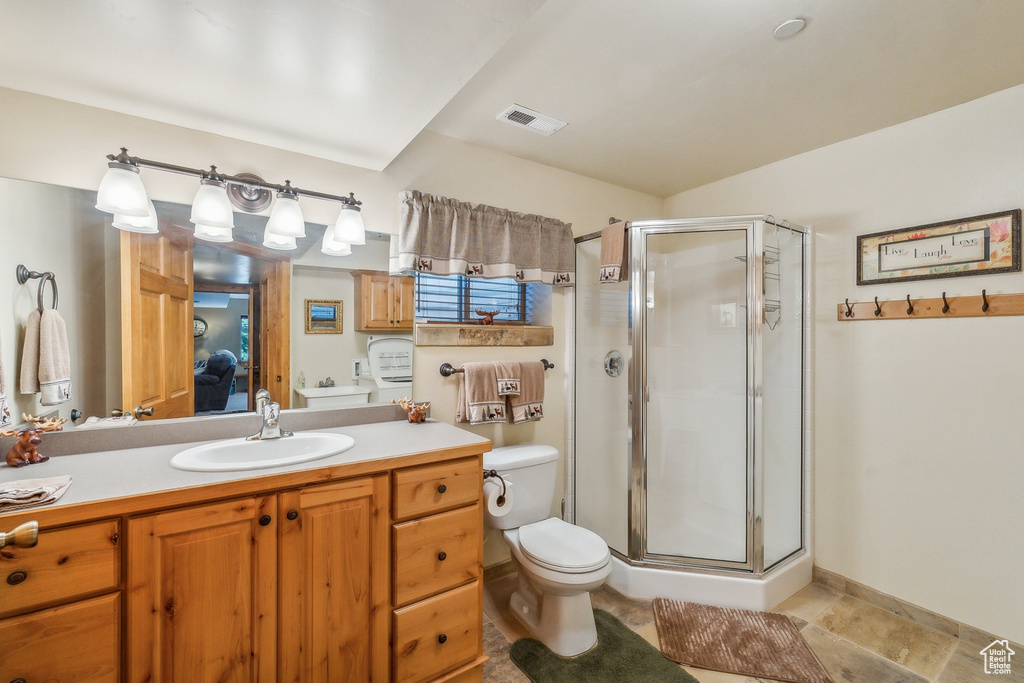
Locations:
column 984, row 306
column 47, row 277
column 878, row 307
column 910, row 306
column 849, row 309
column 945, row 304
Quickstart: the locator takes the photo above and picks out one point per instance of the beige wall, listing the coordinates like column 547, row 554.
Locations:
column 63, row 143
column 919, row 466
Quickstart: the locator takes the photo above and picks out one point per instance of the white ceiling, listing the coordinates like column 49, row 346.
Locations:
column 660, row 95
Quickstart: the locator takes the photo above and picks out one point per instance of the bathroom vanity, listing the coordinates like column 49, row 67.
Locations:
column 365, row 566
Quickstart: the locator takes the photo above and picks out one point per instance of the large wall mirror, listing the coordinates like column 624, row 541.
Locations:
column 175, row 324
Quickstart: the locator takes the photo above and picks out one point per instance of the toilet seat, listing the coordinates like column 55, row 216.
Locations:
column 563, row 547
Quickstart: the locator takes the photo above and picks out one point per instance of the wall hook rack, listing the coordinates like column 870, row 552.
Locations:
column 941, row 307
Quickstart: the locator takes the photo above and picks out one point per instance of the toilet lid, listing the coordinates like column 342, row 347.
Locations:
column 561, row 546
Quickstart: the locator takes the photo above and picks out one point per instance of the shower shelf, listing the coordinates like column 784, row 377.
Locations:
column 943, row 307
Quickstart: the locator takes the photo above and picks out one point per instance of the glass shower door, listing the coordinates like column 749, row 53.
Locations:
column 693, row 304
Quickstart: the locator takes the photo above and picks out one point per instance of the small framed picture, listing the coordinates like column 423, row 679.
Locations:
column 323, row 316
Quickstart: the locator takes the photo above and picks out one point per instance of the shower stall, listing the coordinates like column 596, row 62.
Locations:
column 690, row 447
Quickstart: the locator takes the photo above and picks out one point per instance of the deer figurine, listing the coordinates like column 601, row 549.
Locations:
column 488, row 316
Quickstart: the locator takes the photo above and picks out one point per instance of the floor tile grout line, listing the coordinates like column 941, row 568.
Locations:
column 949, row 657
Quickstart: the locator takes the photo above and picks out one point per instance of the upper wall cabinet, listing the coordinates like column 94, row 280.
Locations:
column 383, row 302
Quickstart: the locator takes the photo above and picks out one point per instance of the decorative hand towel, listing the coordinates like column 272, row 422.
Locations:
column 478, row 401
column 54, row 359
column 126, row 420
column 29, row 383
column 614, row 252
column 5, row 411
column 528, row 406
column 509, row 378
column 29, row 493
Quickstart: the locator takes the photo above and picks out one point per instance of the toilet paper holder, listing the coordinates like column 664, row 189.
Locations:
column 488, row 474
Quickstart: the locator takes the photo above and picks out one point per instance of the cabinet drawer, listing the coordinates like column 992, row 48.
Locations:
column 76, row 642
column 437, row 634
column 64, row 564
column 433, row 488
column 437, row 553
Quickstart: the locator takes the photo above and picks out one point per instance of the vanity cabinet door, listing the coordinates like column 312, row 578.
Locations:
column 405, row 301
column 201, row 593
column 334, row 582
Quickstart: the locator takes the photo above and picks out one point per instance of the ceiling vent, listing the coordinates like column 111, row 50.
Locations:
column 521, row 117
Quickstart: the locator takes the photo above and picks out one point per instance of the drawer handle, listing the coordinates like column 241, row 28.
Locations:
column 19, row 680
column 442, row 488
column 22, row 536
column 265, row 520
column 442, row 556
column 16, row 577
column 442, row 639
column 293, row 514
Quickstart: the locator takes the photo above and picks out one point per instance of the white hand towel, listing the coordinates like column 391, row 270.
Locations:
column 30, row 355
column 28, row 493
column 54, row 359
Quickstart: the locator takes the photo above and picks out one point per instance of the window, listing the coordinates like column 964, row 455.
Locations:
column 456, row 299
column 244, row 351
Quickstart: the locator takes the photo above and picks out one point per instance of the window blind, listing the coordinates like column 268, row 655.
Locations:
column 457, row 298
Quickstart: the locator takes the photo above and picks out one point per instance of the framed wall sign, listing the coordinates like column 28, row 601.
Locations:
column 980, row 245
column 323, row 316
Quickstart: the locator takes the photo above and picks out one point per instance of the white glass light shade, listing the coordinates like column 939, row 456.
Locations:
column 332, row 247
column 279, row 242
column 349, row 226
column 286, row 217
column 121, row 191
column 145, row 224
column 211, row 207
column 212, row 233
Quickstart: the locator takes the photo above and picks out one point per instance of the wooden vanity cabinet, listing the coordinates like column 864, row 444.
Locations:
column 60, row 612
column 383, row 302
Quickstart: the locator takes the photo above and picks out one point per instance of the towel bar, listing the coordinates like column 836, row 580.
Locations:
column 447, row 369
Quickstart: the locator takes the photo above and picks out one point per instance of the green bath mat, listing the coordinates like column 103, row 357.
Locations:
column 621, row 656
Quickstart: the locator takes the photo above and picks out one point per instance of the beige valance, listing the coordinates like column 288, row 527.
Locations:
column 443, row 236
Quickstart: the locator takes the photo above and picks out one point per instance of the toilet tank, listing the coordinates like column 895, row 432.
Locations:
column 532, row 470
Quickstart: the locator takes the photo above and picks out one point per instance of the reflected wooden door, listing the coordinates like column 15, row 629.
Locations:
column 156, row 322
column 275, row 337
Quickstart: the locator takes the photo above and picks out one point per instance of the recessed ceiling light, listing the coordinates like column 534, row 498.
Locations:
column 789, row 28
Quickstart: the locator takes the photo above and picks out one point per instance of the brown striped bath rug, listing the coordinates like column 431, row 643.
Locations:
column 738, row 641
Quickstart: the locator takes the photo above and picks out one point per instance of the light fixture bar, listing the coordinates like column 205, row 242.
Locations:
column 213, row 174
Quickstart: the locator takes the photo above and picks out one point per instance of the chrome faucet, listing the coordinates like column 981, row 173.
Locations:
column 262, row 399
column 271, row 428
column 326, row 383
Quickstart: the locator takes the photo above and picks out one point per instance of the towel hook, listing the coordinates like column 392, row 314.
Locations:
column 47, row 277
column 984, row 306
column 910, row 306
column 849, row 309
column 878, row 307
column 945, row 304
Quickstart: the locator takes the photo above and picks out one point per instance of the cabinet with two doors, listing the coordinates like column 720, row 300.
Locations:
column 383, row 302
column 312, row 583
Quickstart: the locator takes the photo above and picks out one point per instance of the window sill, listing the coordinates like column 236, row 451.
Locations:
column 462, row 334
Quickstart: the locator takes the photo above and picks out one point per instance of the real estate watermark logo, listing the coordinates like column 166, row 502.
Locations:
column 997, row 657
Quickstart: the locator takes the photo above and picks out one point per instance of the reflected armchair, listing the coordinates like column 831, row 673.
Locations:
column 213, row 385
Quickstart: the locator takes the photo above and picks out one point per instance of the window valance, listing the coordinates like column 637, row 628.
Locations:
column 444, row 236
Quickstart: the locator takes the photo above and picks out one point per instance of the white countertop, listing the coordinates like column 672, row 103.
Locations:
column 138, row 471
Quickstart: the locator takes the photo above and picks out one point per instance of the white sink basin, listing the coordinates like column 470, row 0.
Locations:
column 239, row 454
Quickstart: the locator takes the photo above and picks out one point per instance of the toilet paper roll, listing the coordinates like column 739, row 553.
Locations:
column 497, row 506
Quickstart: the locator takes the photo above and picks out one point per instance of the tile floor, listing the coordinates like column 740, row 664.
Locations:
column 854, row 640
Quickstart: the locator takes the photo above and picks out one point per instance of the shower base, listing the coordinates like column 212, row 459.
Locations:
column 723, row 589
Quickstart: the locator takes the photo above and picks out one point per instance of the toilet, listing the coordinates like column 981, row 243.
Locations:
column 558, row 563
column 389, row 358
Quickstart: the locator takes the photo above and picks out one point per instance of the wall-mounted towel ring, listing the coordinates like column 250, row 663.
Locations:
column 910, row 306
column 878, row 307
column 984, row 297
column 945, row 304
column 47, row 277
column 849, row 309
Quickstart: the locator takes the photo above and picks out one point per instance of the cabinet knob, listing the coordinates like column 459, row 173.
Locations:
column 293, row 514
column 16, row 577
column 265, row 520
column 442, row 556
column 442, row 639
column 442, row 488
column 19, row 680
column 22, row 536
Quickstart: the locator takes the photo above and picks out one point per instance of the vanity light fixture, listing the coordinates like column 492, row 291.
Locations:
column 122, row 193
column 333, row 247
